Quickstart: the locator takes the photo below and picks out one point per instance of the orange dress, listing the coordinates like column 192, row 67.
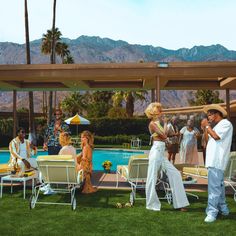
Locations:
column 86, row 165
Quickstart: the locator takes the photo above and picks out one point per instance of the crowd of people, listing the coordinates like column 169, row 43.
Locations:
column 216, row 138
column 217, row 132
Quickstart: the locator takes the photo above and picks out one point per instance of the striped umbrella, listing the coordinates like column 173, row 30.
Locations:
column 77, row 120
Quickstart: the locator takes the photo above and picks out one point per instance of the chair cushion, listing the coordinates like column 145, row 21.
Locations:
column 201, row 171
column 54, row 158
column 4, row 168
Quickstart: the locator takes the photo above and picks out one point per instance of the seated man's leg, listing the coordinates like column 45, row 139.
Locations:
column 180, row 199
column 33, row 162
column 21, row 166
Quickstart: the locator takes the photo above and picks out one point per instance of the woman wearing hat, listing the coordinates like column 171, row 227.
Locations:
column 219, row 141
column 158, row 161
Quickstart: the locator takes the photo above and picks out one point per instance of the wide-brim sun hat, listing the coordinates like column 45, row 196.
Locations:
column 215, row 107
column 151, row 111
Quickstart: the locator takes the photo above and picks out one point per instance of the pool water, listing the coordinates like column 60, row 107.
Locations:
column 117, row 157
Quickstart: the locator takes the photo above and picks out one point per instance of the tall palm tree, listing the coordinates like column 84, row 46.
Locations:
column 28, row 61
column 61, row 49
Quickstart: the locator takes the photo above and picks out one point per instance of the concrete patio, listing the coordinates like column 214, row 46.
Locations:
column 108, row 180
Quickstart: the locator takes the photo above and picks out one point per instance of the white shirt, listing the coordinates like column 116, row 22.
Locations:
column 23, row 151
column 218, row 151
column 68, row 150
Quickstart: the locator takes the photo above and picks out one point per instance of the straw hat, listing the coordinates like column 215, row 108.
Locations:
column 215, row 107
column 152, row 109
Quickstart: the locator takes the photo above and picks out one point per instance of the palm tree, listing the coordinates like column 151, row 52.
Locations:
column 46, row 47
column 129, row 97
column 62, row 50
column 75, row 103
column 204, row 97
column 53, row 52
column 28, row 61
column 69, row 60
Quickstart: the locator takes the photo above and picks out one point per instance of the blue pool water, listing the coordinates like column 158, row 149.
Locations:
column 117, row 157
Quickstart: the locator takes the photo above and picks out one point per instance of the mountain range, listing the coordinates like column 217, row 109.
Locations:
column 87, row 49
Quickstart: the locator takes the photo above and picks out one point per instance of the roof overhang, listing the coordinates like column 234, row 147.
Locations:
column 108, row 76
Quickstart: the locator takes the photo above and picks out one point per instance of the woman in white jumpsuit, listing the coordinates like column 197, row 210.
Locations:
column 158, row 161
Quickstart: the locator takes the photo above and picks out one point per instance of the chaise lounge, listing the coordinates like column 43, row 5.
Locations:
column 59, row 171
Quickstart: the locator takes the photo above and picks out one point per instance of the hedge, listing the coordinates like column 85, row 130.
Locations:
column 120, row 128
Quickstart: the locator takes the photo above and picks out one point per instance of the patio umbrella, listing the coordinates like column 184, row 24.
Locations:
column 77, row 120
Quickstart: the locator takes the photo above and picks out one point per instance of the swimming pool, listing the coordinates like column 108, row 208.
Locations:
column 117, row 157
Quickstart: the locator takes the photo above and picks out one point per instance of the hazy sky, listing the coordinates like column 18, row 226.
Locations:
column 170, row 24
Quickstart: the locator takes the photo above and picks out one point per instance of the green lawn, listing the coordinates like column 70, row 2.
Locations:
column 96, row 214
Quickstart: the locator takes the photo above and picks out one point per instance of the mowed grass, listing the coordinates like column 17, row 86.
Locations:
column 96, row 214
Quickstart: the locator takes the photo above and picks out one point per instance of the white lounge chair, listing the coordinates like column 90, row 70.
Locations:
column 59, row 171
column 136, row 174
column 230, row 173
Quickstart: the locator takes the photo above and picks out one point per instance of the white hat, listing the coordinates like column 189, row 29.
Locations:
column 215, row 107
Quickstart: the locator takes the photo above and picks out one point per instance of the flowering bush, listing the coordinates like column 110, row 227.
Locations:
column 107, row 165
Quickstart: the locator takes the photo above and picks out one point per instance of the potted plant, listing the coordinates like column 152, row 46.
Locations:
column 107, row 166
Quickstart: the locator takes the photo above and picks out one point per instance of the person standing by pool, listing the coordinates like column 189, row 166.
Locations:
column 158, row 161
column 51, row 139
column 20, row 151
column 217, row 157
column 188, row 143
column 85, row 161
column 172, row 139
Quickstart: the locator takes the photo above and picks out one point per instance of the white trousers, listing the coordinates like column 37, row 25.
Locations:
column 32, row 162
column 157, row 162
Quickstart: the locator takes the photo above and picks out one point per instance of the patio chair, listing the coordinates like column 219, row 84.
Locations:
column 230, row 173
column 135, row 143
column 135, row 173
column 60, row 172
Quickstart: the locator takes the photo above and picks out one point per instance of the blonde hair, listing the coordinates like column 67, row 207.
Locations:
column 89, row 137
column 150, row 112
column 64, row 139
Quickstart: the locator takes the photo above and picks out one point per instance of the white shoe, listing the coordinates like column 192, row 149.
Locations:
column 49, row 191
column 44, row 187
column 209, row 219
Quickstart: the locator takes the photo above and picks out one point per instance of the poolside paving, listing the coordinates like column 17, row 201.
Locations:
column 109, row 180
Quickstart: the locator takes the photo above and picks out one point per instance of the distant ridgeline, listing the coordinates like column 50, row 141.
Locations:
column 86, row 49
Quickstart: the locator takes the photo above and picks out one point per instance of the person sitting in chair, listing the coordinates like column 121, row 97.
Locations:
column 20, row 151
column 67, row 148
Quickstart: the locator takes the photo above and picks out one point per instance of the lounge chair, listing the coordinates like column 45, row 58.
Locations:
column 4, row 169
column 136, row 174
column 201, row 171
column 59, row 171
column 193, row 170
column 230, row 173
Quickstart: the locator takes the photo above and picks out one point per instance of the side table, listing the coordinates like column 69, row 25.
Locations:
column 12, row 178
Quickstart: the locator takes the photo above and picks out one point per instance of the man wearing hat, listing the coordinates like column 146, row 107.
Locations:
column 219, row 141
